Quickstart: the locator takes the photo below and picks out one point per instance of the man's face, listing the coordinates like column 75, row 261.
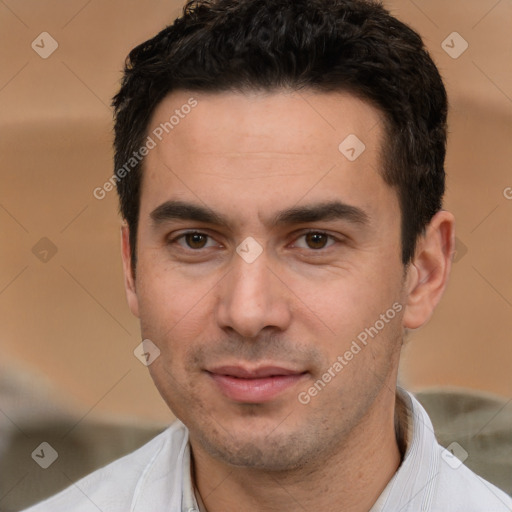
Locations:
column 251, row 311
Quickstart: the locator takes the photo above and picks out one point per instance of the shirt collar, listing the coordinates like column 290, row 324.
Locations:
column 166, row 482
column 412, row 487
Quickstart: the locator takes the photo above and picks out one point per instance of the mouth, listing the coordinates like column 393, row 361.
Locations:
column 256, row 385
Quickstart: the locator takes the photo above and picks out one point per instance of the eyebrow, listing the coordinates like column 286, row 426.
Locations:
column 325, row 211
column 332, row 210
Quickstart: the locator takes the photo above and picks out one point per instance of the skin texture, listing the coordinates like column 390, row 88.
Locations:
column 298, row 305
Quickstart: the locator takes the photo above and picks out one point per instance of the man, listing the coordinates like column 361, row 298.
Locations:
column 280, row 171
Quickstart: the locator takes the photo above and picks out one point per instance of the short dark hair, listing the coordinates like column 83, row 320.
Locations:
column 353, row 46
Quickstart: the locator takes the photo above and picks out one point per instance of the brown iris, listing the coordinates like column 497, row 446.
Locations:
column 196, row 240
column 316, row 240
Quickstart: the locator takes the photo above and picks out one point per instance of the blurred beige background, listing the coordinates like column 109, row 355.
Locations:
column 66, row 320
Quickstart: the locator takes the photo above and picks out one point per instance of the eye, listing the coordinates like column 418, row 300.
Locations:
column 193, row 240
column 315, row 240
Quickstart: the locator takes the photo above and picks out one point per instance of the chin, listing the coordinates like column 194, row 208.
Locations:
column 255, row 449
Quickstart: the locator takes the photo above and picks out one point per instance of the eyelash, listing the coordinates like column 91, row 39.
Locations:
column 316, row 232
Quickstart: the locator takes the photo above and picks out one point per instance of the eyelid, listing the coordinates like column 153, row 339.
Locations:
column 182, row 235
column 303, row 233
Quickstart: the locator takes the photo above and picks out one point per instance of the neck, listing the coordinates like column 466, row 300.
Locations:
column 350, row 478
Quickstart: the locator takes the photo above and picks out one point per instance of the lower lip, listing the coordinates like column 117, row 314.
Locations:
column 254, row 391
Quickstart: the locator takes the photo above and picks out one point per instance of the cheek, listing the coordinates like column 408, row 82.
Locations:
column 177, row 386
column 175, row 313
column 344, row 302
column 165, row 296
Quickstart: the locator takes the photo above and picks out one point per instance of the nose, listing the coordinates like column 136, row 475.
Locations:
column 252, row 298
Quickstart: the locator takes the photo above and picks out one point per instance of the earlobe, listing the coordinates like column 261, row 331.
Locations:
column 428, row 273
column 129, row 279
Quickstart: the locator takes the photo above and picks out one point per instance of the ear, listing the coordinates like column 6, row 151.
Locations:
column 129, row 278
column 428, row 273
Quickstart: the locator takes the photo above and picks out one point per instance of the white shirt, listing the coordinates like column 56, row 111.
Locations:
column 157, row 478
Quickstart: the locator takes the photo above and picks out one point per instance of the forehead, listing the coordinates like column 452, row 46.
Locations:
column 263, row 148
column 307, row 122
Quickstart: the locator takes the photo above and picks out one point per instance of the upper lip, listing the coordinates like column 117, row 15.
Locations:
column 253, row 373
